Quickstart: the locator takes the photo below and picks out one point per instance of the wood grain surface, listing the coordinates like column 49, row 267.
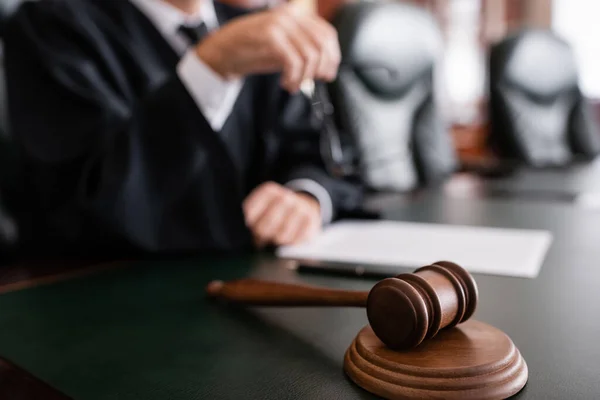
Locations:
column 403, row 311
column 265, row 293
column 471, row 361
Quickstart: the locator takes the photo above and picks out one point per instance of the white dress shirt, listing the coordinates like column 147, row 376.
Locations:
column 214, row 95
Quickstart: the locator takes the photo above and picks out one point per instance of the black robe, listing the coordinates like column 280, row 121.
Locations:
column 116, row 153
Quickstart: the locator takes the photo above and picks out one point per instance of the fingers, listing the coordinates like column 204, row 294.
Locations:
column 259, row 201
column 324, row 37
column 286, row 39
column 288, row 225
column 271, row 222
column 289, row 57
column 307, row 46
column 265, row 209
column 291, row 229
column 302, row 225
column 277, row 215
column 309, row 228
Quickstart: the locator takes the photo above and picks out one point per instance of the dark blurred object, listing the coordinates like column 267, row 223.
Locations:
column 475, row 156
column 7, row 7
column 538, row 115
column 331, row 145
column 384, row 96
column 18, row 384
column 8, row 163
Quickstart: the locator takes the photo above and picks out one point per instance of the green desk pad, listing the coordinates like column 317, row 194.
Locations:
column 147, row 332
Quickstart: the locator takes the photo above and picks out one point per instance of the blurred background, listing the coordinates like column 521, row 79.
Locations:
column 470, row 28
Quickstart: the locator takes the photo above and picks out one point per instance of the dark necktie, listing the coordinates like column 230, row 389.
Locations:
column 194, row 33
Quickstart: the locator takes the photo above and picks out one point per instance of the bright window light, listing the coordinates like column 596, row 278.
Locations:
column 577, row 22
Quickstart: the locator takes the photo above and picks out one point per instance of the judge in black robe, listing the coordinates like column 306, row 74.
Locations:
column 116, row 153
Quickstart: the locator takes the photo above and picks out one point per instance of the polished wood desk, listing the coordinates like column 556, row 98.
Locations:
column 145, row 330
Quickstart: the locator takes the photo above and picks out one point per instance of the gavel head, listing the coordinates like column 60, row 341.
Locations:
column 405, row 310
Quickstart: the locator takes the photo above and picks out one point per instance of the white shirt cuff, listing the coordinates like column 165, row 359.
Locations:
column 318, row 192
column 214, row 95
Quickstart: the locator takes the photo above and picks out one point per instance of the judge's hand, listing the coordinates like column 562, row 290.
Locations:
column 277, row 215
column 285, row 39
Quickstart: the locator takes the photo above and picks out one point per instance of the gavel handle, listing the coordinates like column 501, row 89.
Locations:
column 264, row 293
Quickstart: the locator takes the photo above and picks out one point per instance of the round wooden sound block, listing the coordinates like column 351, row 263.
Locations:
column 470, row 361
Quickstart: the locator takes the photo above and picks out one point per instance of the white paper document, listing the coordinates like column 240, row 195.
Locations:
column 511, row 252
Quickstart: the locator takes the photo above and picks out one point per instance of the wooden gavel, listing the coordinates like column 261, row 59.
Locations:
column 403, row 311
